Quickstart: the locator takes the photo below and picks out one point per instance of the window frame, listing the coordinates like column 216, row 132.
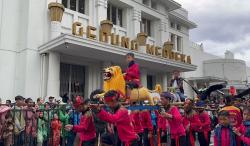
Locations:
column 147, row 28
column 179, row 44
column 110, row 15
column 76, row 6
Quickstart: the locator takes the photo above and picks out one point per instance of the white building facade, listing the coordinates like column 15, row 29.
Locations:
column 44, row 56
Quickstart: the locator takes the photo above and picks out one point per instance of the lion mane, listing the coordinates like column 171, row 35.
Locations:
column 116, row 82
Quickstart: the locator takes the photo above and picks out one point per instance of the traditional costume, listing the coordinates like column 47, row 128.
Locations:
column 224, row 136
column 56, row 126
column 136, row 121
column 244, row 129
column 147, row 127
column 121, row 120
column 205, row 131
column 132, row 76
column 86, row 129
column 191, row 119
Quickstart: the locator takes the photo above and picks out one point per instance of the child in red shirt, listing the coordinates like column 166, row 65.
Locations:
column 223, row 133
column 120, row 118
column 86, row 128
column 56, row 126
column 132, row 74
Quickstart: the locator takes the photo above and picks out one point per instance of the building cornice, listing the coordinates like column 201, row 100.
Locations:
column 101, row 46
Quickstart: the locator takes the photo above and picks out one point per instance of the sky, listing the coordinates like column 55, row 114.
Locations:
column 222, row 25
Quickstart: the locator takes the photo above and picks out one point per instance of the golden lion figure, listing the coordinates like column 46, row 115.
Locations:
column 114, row 80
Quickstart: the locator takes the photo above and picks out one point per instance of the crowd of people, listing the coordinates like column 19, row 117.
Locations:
column 111, row 123
column 107, row 121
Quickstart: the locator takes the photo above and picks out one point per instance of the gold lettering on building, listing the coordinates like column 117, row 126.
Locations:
column 105, row 34
column 79, row 31
column 90, row 35
column 115, row 39
column 134, row 45
column 150, row 49
column 157, row 51
column 125, row 42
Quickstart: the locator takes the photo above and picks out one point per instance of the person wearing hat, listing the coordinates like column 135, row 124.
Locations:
column 86, row 128
column 172, row 114
column 120, row 118
column 205, row 133
column 191, row 122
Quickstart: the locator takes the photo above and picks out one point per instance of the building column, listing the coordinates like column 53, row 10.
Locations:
column 53, row 85
column 165, row 82
column 136, row 20
column 143, row 77
column 175, row 42
column 163, row 32
column 101, row 8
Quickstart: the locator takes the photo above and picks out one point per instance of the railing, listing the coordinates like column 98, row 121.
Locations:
column 33, row 126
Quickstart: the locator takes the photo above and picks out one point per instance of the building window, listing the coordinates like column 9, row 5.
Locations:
column 145, row 2
column 75, row 5
column 179, row 43
column 114, row 14
column 146, row 26
column 153, row 5
column 151, row 80
column 72, row 80
column 172, row 37
column 178, row 27
column 172, row 24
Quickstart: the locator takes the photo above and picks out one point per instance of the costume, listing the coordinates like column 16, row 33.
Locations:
column 205, row 132
column 56, row 126
column 123, row 124
column 137, row 124
column 244, row 129
column 86, row 129
column 177, row 131
column 192, row 119
column 147, row 127
column 224, row 136
column 132, row 76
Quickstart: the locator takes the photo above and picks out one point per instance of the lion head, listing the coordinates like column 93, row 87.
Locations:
column 113, row 79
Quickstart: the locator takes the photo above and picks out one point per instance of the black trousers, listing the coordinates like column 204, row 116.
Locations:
column 89, row 143
column 188, row 142
column 133, row 143
column 202, row 139
column 146, row 141
column 140, row 140
column 182, row 141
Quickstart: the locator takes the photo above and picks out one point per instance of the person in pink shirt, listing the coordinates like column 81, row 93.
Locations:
column 172, row 114
column 244, row 130
column 120, row 118
column 86, row 128
column 191, row 122
column 205, row 131
column 162, row 127
column 137, row 123
column 147, row 127
column 223, row 133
